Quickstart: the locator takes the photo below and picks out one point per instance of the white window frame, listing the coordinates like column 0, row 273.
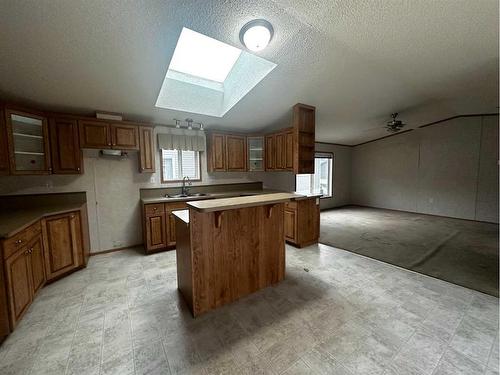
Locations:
column 321, row 155
column 179, row 157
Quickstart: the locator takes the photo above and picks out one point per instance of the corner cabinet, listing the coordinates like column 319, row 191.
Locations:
column 65, row 146
column 226, row 152
column 63, row 244
column 28, row 142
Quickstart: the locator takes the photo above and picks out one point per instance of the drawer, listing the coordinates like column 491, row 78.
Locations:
column 175, row 206
column 16, row 242
column 291, row 205
column 154, row 209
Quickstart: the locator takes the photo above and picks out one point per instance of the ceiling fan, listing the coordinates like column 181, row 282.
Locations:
column 394, row 125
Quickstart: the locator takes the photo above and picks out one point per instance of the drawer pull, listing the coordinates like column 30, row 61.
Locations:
column 155, row 208
column 19, row 241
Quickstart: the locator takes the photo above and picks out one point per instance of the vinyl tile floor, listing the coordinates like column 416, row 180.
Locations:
column 335, row 313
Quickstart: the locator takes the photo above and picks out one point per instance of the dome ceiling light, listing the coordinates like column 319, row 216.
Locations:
column 256, row 34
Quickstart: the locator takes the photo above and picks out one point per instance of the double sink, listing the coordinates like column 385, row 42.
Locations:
column 188, row 195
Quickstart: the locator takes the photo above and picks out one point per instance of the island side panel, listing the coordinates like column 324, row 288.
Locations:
column 235, row 253
column 271, row 245
column 202, row 263
column 184, row 261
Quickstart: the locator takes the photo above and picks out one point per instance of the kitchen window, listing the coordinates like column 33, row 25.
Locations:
column 177, row 164
column 321, row 182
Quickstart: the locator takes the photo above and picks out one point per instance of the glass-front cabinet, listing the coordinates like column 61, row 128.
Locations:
column 28, row 142
column 255, row 153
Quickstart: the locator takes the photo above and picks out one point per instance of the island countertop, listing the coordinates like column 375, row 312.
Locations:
column 241, row 202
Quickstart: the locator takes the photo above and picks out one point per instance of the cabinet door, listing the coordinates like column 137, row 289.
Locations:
column 290, row 225
column 156, row 232
column 4, row 309
column 236, row 147
column 289, row 151
column 280, row 151
column 65, row 147
column 19, row 284
column 35, row 250
column 217, row 153
column 270, row 152
column 94, row 134
column 124, row 137
column 61, row 242
column 169, row 207
column 146, row 150
column 4, row 148
column 27, row 136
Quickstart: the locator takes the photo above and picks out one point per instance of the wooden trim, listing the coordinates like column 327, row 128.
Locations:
column 426, row 125
column 102, row 252
column 333, row 144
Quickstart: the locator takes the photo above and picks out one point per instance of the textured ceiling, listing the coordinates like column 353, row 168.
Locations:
column 356, row 61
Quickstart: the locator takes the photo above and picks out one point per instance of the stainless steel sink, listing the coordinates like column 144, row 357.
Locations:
column 186, row 195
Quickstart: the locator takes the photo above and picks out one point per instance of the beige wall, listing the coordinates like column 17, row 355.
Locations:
column 447, row 169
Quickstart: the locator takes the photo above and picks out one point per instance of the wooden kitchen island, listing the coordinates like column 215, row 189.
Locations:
column 229, row 248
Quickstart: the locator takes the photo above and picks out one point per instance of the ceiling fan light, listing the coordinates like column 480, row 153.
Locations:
column 256, row 35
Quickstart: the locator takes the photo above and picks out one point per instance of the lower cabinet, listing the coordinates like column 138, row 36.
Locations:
column 36, row 255
column 63, row 244
column 159, row 225
column 302, row 222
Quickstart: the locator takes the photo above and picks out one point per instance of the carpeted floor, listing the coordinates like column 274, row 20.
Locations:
column 459, row 251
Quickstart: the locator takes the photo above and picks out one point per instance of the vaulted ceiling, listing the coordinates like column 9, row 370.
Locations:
column 356, row 61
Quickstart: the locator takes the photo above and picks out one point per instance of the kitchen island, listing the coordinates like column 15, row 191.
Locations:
column 229, row 248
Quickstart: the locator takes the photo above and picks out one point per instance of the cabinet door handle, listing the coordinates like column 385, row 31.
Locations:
column 72, row 216
column 19, row 241
column 77, row 169
column 31, row 250
column 154, row 208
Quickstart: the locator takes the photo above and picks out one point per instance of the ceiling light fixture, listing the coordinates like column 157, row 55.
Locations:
column 256, row 34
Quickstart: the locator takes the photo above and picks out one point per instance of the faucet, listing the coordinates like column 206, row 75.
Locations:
column 185, row 189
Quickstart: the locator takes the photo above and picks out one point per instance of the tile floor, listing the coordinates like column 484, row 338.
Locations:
column 336, row 313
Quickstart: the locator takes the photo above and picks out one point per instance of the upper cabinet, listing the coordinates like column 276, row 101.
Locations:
column 146, row 149
column 28, row 140
column 94, row 134
column 279, row 151
column 304, row 124
column 255, row 152
column 216, row 152
column 4, row 147
column 65, row 148
column 102, row 135
column 270, row 152
column 236, row 149
column 124, row 137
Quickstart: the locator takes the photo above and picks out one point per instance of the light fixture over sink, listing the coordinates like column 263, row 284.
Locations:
column 256, row 34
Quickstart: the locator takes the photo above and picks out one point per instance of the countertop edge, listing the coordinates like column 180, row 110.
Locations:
column 182, row 215
column 234, row 206
column 39, row 217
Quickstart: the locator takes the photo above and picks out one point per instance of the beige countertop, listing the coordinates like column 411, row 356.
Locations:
column 182, row 215
column 13, row 221
column 241, row 202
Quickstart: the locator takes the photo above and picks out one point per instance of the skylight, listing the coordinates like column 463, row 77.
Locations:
column 204, row 57
column 209, row 77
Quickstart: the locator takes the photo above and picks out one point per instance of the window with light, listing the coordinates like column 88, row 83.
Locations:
column 321, row 182
column 177, row 164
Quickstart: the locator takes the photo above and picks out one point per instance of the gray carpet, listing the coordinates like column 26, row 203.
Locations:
column 459, row 251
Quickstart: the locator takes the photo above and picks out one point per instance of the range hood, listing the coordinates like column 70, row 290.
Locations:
column 113, row 153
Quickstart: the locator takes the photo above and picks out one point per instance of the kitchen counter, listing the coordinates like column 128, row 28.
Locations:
column 217, row 195
column 241, row 202
column 15, row 220
column 182, row 214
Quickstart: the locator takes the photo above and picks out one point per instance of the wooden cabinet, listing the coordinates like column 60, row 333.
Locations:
column 28, row 142
column 4, row 147
column 159, row 225
column 236, row 148
column 302, row 222
column 288, row 153
column 216, row 152
column 4, row 311
column 63, row 243
column 65, row 146
column 146, row 149
column 270, row 152
column 255, row 154
column 124, row 136
column 94, row 134
column 226, row 152
column 18, row 280
column 25, row 276
column 304, row 124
